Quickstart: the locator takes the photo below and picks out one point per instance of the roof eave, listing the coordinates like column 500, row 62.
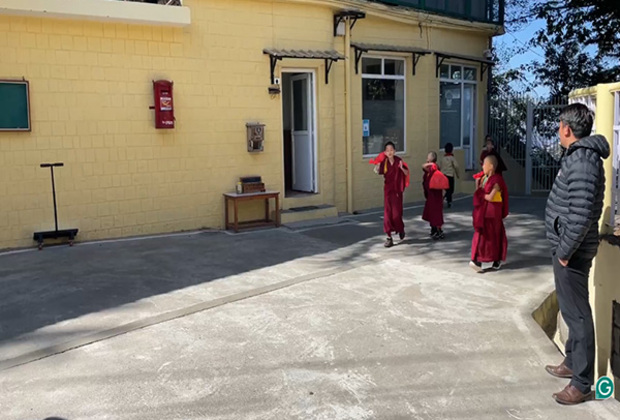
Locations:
column 407, row 16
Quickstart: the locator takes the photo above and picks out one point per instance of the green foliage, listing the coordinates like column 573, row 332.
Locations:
column 580, row 41
column 584, row 22
column 568, row 66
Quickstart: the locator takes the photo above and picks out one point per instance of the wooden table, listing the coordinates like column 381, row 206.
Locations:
column 236, row 198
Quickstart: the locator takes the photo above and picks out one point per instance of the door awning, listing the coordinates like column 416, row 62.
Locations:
column 484, row 63
column 361, row 48
column 330, row 58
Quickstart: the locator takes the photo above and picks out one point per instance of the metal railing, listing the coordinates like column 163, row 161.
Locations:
column 544, row 153
column 526, row 128
column 487, row 11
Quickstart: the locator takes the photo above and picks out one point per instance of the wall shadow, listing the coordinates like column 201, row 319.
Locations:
column 45, row 288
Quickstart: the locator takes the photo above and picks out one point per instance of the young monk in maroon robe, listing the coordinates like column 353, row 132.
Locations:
column 396, row 173
column 490, row 244
column 433, row 209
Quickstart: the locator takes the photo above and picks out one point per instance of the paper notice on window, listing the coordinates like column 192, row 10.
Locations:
column 366, row 128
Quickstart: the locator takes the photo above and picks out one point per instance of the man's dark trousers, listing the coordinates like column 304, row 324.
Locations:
column 571, row 284
column 450, row 189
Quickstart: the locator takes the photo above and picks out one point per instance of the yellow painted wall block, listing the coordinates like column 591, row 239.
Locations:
column 91, row 89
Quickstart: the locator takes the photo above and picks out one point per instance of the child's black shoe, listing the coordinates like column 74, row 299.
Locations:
column 389, row 243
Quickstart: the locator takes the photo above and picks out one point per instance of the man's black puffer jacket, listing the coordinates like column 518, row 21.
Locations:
column 575, row 204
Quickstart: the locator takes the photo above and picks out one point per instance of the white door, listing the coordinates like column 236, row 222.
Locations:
column 303, row 132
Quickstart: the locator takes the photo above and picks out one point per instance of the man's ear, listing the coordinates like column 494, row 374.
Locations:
column 567, row 132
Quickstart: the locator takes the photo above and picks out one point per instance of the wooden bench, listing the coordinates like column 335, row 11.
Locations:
column 236, row 198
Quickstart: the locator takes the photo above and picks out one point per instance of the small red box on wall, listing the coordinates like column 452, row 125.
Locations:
column 164, row 105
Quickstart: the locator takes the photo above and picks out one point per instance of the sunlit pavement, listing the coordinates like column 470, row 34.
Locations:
column 309, row 322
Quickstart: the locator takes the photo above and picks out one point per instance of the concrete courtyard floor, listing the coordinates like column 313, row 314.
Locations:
column 307, row 322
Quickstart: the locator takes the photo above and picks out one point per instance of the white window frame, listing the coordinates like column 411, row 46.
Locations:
column 383, row 76
column 462, row 82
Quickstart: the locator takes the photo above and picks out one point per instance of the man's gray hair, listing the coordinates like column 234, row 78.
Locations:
column 579, row 118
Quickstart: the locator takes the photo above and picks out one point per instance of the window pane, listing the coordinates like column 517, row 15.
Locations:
column 384, row 107
column 445, row 71
column 469, row 113
column 456, row 72
column 436, row 4
column 471, row 73
column 450, row 110
column 371, row 65
column 300, row 105
column 455, row 6
column 479, row 9
column 394, row 67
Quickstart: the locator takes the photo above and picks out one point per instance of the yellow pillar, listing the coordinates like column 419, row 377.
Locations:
column 347, row 104
column 604, row 288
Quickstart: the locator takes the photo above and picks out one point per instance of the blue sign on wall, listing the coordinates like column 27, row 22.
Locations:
column 366, row 128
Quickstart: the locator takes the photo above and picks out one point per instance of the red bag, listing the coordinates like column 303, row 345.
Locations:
column 439, row 181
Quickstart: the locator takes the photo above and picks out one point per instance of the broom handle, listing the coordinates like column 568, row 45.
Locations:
column 54, row 195
column 51, row 166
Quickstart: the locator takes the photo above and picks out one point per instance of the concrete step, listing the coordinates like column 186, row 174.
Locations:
column 301, row 214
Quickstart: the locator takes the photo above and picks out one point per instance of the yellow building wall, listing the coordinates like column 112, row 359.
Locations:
column 90, row 86
column 90, row 89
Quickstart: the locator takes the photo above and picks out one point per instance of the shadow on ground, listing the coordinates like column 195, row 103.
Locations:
column 528, row 247
column 59, row 284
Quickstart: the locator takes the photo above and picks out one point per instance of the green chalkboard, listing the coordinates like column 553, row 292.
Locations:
column 14, row 106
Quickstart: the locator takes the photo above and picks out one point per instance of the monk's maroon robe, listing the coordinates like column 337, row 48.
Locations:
column 490, row 243
column 393, row 196
column 433, row 208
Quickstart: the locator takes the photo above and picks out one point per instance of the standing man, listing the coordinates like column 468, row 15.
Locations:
column 573, row 211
